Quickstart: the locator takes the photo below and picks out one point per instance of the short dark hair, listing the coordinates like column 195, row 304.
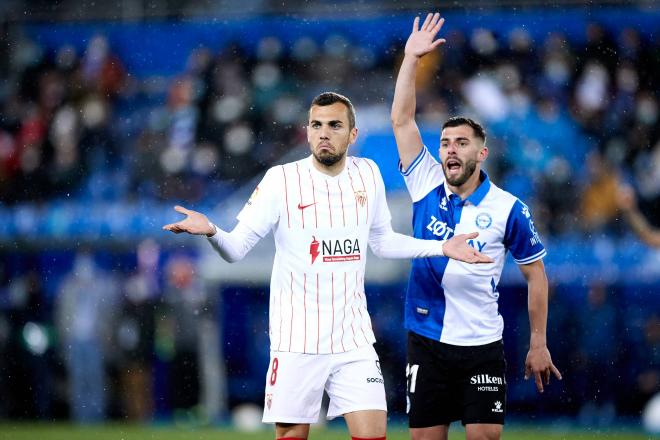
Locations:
column 329, row 98
column 457, row 121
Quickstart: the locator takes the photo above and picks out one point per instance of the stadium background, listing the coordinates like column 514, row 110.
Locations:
column 111, row 114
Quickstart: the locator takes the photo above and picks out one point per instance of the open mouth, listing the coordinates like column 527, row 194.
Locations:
column 453, row 165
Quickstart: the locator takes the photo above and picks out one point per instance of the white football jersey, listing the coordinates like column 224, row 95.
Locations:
column 321, row 226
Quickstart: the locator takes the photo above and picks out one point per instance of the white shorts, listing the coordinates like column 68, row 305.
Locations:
column 295, row 384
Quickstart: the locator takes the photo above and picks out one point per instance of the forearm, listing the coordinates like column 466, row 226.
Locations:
column 538, row 311
column 403, row 106
column 642, row 228
column 385, row 243
column 233, row 246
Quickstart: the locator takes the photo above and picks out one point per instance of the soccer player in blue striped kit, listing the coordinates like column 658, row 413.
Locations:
column 456, row 366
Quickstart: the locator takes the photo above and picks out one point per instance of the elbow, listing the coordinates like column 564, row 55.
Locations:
column 397, row 120
column 400, row 122
column 377, row 251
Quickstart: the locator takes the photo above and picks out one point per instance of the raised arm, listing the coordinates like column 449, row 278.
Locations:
column 538, row 363
column 420, row 42
column 628, row 204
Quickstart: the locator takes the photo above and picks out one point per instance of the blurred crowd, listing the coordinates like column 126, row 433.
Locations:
column 568, row 120
column 131, row 344
column 142, row 337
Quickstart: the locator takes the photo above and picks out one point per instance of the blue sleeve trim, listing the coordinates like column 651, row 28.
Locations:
column 414, row 164
column 533, row 258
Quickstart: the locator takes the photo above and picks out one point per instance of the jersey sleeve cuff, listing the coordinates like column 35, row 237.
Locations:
column 532, row 258
column 414, row 163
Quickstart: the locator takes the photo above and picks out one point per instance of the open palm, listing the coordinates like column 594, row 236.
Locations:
column 195, row 223
column 420, row 42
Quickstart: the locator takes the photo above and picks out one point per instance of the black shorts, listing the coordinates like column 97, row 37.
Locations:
column 449, row 382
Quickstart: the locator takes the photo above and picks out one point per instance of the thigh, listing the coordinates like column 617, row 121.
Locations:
column 432, row 397
column 366, row 424
column 294, row 387
column 481, row 431
column 356, row 382
column 291, row 430
column 484, row 391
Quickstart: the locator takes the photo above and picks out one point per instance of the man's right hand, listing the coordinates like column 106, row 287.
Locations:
column 195, row 223
column 458, row 249
column 420, row 42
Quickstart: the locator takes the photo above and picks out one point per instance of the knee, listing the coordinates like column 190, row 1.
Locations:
column 484, row 433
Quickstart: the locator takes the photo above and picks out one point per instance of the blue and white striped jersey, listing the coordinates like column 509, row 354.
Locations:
column 451, row 301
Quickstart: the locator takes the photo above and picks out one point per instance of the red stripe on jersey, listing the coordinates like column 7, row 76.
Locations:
column 364, row 188
column 316, row 214
column 329, row 206
column 357, row 207
column 291, row 323
column 364, row 296
column 341, row 197
column 280, row 342
column 357, row 294
column 343, row 320
column 353, row 328
column 318, row 315
column 332, row 329
column 305, row 307
column 286, row 195
column 302, row 211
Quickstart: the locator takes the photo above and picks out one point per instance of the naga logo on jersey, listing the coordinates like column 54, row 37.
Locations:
column 361, row 197
column 335, row 250
column 314, row 249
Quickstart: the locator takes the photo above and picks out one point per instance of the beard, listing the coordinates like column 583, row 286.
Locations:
column 327, row 158
column 468, row 169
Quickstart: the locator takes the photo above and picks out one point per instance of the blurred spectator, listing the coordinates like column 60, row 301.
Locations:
column 134, row 334
column 189, row 323
column 85, row 317
column 647, row 366
column 25, row 344
column 598, row 355
column 598, row 203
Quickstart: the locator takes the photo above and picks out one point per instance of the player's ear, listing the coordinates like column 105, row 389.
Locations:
column 353, row 135
column 483, row 152
column 309, row 133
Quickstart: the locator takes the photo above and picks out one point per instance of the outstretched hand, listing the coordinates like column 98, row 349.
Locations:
column 458, row 249
column 195, row 223
column 420, row 42
column 539, row 364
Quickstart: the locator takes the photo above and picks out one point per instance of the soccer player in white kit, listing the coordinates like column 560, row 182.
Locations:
column 324, row 210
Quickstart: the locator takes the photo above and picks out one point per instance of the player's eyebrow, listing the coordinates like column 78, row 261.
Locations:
column 446, row 139
column 333, row 122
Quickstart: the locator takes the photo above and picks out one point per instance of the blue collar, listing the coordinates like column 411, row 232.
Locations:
column 477, row 196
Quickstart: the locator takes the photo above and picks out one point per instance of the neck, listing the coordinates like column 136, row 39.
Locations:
column 330, row 170
column 464, row 191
